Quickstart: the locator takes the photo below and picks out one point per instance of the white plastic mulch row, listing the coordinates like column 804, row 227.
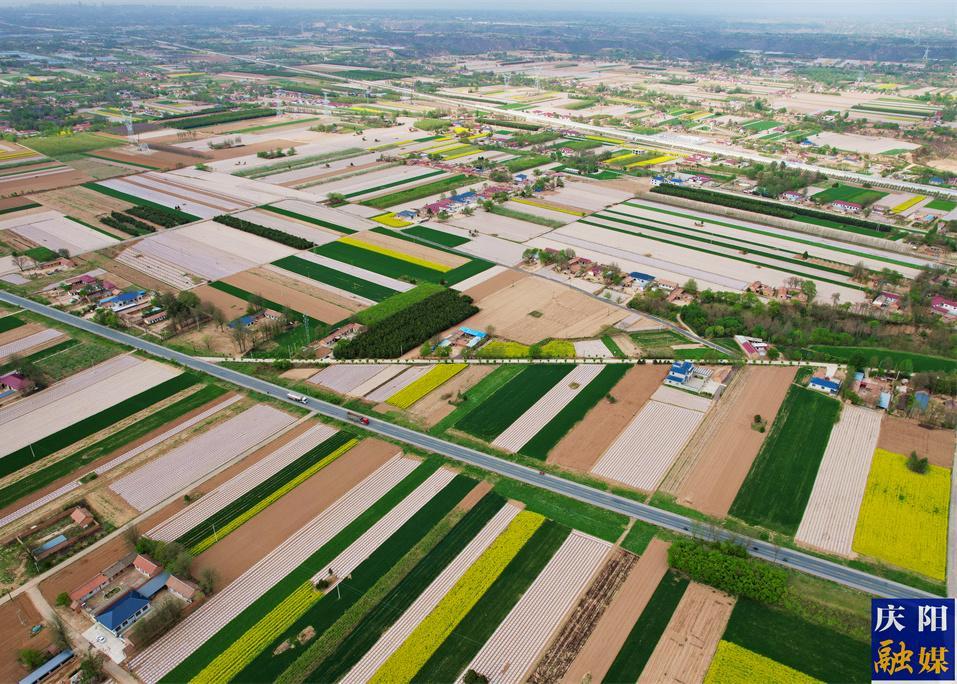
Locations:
column 644, row 451
column 318, row 211
column 830, row 517
column 547, row 407
column 64, row 412
column 430, row 598
column 53, row 230
column 179, row 467
column 592, row 348
column 235, row 487
column 390, row 371
column 191, row 255
column 240, row 244
column 342, row 378
column 677, row 397
column 306, row 280
column 177, row 644
column 478, row 278
column 175, row 187
column 398, row 383
column 158, row 268
column 28, row 342
column 350, row 559
column 69, row 385
column 194, row 208
column 494, row 249
column 119, row 460
column 516, row 644
column 361, row 273
column 315, row 234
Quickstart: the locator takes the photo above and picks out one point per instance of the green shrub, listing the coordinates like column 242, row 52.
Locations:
column 273, row 234
column 727, row 567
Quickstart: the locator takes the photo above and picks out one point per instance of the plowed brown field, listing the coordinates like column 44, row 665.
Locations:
column 903, row 436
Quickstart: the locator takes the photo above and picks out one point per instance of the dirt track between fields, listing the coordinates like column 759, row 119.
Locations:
column 587, row 441
column 719, row 455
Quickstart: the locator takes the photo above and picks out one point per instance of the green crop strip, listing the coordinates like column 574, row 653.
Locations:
column 644, row 636
column 583, row 402
column 43, row 353
column 337, row 279
column 107, row 445
column 395, row 603
column 437, row 236
column 457, row 651
column 309, row 219
column 613, row 347
column 93, row 424
column 10, row 210
column 10, row 322
column 133, row 199
column 386, row 186
column 503, row 408
column 203, row 655
column 427, row 190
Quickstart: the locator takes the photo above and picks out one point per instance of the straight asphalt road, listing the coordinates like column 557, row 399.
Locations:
column 803, row 562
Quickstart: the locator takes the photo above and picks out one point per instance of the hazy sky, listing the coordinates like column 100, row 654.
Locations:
column 945, row 10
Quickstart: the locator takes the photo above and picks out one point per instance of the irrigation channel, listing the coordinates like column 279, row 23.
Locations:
column 786, row 557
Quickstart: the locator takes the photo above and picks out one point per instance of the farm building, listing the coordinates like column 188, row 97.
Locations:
column 146, row 565
column 85, row 591
column 48, row 668
column 124, row 612
column 752, row 346
column 685, row 375
column 82, row 517
column 826, row 385
column 847, row 207
column 943, row 306
column 641, row 280
column 887, row 301
column 181, row 588
column 124, row 301
column 14, row 382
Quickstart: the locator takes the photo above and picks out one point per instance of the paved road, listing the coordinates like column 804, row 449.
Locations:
column 672, row 521
column 723, row 150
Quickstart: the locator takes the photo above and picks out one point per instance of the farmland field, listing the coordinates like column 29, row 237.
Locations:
column 791, row 453
column 848, row 193
column 903, row 518
column 877, row 356
column 733, row 664
column 335, row 278
column 449, row 184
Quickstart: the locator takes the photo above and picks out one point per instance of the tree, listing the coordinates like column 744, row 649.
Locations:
column 63, row 599
column 473, row 677
column 809, row 288
column 917, row 464
column 91, row 668
column 691, row 286
column 240, row 335
column 132, row 536
column 31, row 658
column 207, row 580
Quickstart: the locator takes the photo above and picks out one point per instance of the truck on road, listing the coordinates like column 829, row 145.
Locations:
column 356, row 418
column 297, row 398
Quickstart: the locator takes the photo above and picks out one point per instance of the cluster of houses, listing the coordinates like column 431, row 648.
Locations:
column 688, row 376
column 782, row 293
column 91, row 291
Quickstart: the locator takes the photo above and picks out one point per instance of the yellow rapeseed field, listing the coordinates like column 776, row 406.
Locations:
column 733, row 664
column 903, row 518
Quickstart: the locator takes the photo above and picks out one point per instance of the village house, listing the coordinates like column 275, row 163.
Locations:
column 847, row 207
column 888, row 301
column 943, row 306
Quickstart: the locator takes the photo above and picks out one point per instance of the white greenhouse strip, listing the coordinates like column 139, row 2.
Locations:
column 360, row 273
column 240, row 484
column 179, row 643
column 390, row 371
column 399, row 382
column 478, row 278
column 178, row 468
column 830, row 517
column 426, row 602
column 547, row 407
column 28, row 342
column 344, row 377
column 516, row 644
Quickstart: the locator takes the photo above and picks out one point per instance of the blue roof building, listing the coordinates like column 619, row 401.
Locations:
column 152, row 588
column 825, row 385
column 885, row 400
column 123, row 300
column 124, row 612
column 679, row 372
column 48, row 668
column 922, row 399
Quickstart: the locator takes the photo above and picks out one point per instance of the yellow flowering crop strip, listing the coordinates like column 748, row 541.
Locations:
column 239, row 520
column 244, row 650
column 733, row 664
column 546, row 205
column 17, row 154
column 903, row 518
column 470, row 149
column 391, row 220
column 904, row 206
column 426, row 638
column 621, row 157
column 361, row 244
column 436, row 377
column 654, row 160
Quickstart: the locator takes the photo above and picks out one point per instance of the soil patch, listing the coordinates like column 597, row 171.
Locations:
column 903, row 436
column 247, row 545
column 719, row 455
column 233, row 307
column 435, row 406
column 17, row 616
column 45, row 182
column 20, row 332
column 161, row 160
column 494, row 284
column 588, row 440
column 320, row 293
column 131, row 275
column 271, row 289
column 609, row 635
column 246, row 150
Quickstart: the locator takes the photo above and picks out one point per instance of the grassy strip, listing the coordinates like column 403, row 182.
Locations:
column 395, row 603
column 791, row 454
column 382, row 264
column 205, row 653
column 921, row 362
column 266, row 127
column 503, row 408
column 337, row 279
column 10, row 210
column 264, row 666
column 181, row 216
column 427, row 190
column 613, row 347
column 43, row 353
column 638, row 537
column 837, row 657
column 107, row 445
column 432, row 235
column 10, row 323
column 477, row 395
column 500, row 210
column 122, row 161
column 644, row 636
column 291, row 164
column 56, row 146
column 403, row 664
column 93, row 424
column 386, row 186
column 220, row 520
column 574, row 411
column 525, row 162
column 458, row 649
column 309, row 219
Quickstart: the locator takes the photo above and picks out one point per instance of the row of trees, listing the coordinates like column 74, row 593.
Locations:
column 273, row 234
column 726, row 566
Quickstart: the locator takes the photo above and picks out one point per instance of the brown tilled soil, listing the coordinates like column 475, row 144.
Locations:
column 562, row 312
column 412, row 249
column 588, row 440
column 245, row 150
column 40, row 183
column 684, row 651
column 494, row 284
column 576, row 630
column 475, row 495
column 129, row 274
column 720, row 453
column 82, row 203
column 232, row 306
column 371, row 166
column 903, row 436
column 161, row 160
column 313, row 291
column 435, row 406
column 11, row 202
column 17, row 616
column 296, row 300
column 19, row 332
column 616, row 622
column 238, row 552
